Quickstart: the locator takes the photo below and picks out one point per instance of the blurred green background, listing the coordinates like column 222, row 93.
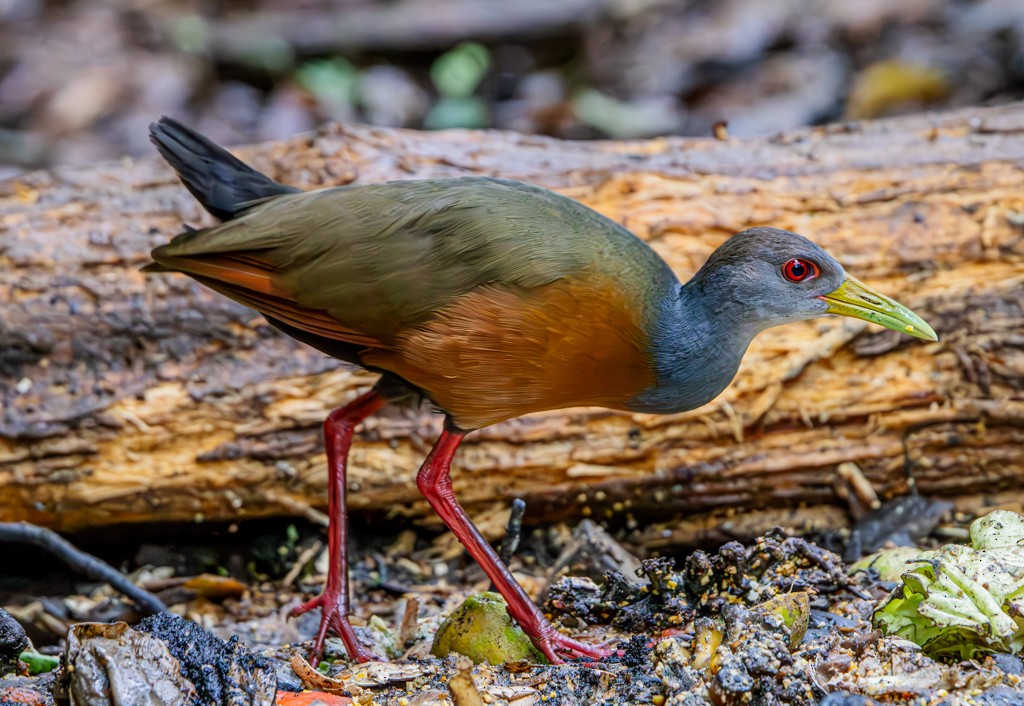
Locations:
column 81, row 79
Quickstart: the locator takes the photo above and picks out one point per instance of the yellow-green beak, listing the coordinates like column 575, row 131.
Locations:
column 856, row 299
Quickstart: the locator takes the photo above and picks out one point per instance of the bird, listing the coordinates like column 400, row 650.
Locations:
column 489, row 299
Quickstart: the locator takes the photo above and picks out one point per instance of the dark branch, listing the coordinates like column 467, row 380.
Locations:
column 78, row 560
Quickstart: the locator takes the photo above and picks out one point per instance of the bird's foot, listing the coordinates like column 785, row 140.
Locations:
column 334, row 620
column 558, row 647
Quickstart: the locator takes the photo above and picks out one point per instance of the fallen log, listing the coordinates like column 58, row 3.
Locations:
column 132, row 398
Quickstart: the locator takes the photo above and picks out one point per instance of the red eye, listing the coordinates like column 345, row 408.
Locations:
column 799, row 270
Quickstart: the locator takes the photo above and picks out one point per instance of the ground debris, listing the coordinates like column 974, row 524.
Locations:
column 656, row 604
column 766, row 622
column 462, row 687
column 902, row 521
column 777, row 621
column 773, row 565
column 12, row 642
column 106, row 664
column 591, row 553
column 222, row 672
column 166, row 661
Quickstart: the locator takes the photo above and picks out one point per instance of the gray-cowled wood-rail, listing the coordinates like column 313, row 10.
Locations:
column 491, row 299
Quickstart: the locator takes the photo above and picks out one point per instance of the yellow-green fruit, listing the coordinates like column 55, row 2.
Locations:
column 890, row 564
column 793, row 609
column 482, row 630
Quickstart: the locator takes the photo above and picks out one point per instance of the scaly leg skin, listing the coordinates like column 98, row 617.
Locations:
column 435, row 483
column 334, row 601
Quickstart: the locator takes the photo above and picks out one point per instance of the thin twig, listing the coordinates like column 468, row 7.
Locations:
column 25, row 533
column 298, row 507
column 304, row 558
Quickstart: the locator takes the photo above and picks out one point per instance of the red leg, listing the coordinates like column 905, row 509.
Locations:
column 435, row 483
column 334, row 601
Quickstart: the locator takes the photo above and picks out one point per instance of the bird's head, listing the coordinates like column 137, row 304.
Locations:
column 764, row 277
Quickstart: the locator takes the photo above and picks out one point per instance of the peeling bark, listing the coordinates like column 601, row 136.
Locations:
column 130, row 398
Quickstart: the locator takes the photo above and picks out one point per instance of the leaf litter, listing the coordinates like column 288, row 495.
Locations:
column 777, row 620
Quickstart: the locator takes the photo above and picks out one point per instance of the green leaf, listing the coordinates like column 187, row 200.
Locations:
column 962, row 602
column 37, row 663
column 890, row 564
column 793, row 610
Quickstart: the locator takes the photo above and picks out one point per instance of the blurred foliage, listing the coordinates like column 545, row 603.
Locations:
column 190, row 33
column 887, row 84
column 80, row 79
column 332, row 83
column 621, row 118
column 268, row 53
column 456, row 75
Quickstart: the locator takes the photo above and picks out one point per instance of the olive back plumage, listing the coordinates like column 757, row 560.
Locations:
column 381, row 258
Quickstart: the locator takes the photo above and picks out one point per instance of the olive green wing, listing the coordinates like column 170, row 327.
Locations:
column 363, row 263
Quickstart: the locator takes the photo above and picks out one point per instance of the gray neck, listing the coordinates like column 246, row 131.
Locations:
column 696, row 348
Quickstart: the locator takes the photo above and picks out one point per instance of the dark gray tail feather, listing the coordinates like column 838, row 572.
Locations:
column 223, row 184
